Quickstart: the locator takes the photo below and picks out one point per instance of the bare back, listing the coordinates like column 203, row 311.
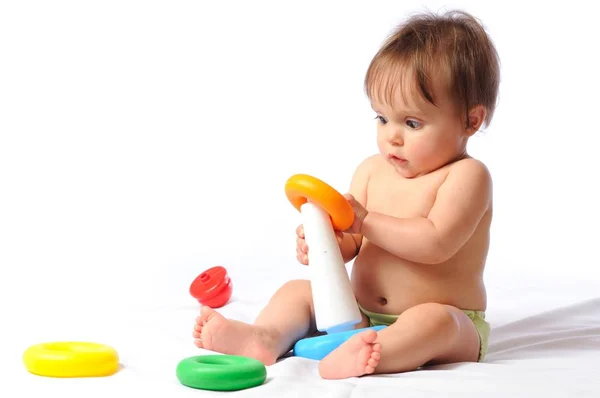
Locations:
column 384, row 283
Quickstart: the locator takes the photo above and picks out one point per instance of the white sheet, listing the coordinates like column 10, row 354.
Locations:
column 136, row 150
column 538, row 347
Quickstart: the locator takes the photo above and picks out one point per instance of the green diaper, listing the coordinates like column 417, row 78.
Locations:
column 477, row 317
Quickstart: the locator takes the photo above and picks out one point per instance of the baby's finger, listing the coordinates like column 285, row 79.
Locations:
column 300, row 231
column 302, row 258
column 339, row 235
column 301, row 245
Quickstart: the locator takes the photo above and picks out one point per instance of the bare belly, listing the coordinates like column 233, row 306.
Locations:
column 385, row 284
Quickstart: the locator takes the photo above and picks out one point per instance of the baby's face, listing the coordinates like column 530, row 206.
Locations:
column 417, row 137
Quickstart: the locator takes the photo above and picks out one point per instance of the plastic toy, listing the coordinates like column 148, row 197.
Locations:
column 71, row 359
column 221, row 372
column 323, row 209
column 212, row 288
column 318, row 347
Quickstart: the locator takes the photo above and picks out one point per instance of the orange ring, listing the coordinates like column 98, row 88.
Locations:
column 301, row 188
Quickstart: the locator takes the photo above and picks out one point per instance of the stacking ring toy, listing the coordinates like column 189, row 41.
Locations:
column 212, row 288
column 301, row 188
column 221, row 372
column 71, row 359
column 323, row 209
column 319, row 347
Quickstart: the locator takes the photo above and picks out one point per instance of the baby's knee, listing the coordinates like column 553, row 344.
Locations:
column 296, row 291
column 435, row 318
column 296, row 287
column 296, row 284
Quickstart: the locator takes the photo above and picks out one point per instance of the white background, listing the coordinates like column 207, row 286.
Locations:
column 142, row 142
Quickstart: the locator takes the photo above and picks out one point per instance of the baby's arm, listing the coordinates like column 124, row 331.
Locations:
column 461, row 202
column 351, row 243
column 350, row 246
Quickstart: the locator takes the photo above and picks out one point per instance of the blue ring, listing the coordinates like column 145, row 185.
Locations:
column 319, row 347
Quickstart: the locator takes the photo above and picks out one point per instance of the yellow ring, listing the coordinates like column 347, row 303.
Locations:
column 301, row 188
column 71, row 359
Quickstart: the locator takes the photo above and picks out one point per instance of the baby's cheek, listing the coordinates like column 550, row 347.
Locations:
column 381, row 144
column 421, row 151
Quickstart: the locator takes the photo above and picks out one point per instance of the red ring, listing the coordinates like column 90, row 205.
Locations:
column 212, row 288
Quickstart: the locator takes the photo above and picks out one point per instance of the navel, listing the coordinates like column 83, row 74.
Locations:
column 382, row 300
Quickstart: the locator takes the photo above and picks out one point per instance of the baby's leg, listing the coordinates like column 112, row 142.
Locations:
column 288, row 317
column 425, row 334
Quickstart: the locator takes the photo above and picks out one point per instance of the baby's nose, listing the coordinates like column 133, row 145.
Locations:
column 395, row 138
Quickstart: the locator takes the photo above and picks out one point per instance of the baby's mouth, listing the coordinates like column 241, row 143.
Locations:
column 397, row 159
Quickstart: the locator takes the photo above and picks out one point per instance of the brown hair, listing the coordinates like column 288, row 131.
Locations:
column 455, row 42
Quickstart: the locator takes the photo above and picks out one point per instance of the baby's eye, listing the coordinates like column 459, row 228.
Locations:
column 381, row 119
column 413, row 124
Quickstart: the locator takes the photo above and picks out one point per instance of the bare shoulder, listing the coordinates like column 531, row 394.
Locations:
column 471, row 169
column 470, row 164
column 369, row 164
column 366, row 168
column 472, row 177
column 361, row 177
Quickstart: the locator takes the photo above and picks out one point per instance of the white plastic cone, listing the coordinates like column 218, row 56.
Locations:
column 335, row 306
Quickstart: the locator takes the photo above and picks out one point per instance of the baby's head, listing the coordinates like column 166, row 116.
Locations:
column 433, row 84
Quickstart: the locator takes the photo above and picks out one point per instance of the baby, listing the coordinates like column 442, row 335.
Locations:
column 423, row 209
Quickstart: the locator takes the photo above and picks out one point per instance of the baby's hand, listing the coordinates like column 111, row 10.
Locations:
column 302, row 247
column 359, row 214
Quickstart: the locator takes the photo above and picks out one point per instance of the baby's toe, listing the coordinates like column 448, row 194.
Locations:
column 372, row 363
column 364, row 355
column 369, row 336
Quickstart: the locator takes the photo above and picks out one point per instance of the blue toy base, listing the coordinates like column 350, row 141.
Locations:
column 318, row 347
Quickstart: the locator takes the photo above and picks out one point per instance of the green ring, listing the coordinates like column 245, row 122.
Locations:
column 221, row 372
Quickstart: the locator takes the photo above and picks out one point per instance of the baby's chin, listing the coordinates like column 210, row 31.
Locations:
column 406, row 171
column 403, row 169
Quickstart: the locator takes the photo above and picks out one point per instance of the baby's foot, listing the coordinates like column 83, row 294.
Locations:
column 357, row 356
column 216, row 333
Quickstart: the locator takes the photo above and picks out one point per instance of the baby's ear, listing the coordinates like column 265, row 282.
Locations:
column 475, row 119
